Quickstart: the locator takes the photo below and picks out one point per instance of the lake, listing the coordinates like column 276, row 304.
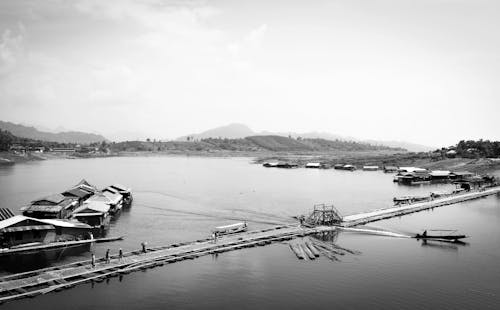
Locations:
column 183, row 198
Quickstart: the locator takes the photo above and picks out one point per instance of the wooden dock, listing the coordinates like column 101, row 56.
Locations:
column 41, row 281
column 381, row 214
column 32, row 283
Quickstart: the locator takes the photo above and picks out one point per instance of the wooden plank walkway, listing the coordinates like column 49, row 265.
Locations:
column 55, row 278
column 381, row 214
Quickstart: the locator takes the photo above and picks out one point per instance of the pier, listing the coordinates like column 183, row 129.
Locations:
column 41, row 281
column 382, row 214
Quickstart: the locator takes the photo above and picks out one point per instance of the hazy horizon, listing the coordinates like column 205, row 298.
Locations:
column 424, row 72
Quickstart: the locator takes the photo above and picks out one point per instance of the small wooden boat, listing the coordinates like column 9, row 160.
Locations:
column 231, row 229
column 445, row 237
column 409, row 199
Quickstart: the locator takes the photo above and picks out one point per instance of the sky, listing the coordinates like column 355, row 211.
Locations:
column 424, row 71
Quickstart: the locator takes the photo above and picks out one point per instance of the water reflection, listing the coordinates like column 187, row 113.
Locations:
column 40, row 259
column 446, row 246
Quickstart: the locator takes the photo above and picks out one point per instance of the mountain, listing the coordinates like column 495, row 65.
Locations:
column 234, row 131
column 61, row 137
column 270, row 143
column 231, row 131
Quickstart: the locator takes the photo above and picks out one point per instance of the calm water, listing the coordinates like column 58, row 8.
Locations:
column 181, row 199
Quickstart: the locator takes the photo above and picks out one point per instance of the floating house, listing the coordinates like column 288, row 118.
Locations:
column 349, row 167
column 370, row 168
column 124, row 191
column 69, row 230
column 20, row 230
column 270, row 165
column 79, row 194
column 112, row 199
column 413, row 169
column 55, row 206
column 440, row 175
column 86, row 186
column 287, row 165
column 414, row 178
column 461, row 175
column 94, row 213
column 314, row 165
column 390, row 169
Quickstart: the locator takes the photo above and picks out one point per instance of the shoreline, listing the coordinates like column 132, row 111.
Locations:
column 359, row 159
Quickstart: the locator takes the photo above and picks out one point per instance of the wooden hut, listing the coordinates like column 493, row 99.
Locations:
column 94, row 213
column 53, row 206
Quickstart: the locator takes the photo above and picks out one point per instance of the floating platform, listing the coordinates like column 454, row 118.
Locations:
column 381, row 214
column 41, row 281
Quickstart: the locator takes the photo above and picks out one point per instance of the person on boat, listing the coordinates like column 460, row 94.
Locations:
column 215, row 237
column 120, row 254
column 424, row 234
column 92, row 261
column 107, row 256
column 144, row 244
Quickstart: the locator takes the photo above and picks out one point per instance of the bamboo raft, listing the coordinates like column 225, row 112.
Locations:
column 42, row 281
column 56, row 245
column 382, row 214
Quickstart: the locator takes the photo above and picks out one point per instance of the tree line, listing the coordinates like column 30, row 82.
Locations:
column 480, row 148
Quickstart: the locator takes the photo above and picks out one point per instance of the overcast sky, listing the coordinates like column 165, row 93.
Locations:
column 425, row 71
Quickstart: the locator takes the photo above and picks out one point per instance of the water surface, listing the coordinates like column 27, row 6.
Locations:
column 182, row 198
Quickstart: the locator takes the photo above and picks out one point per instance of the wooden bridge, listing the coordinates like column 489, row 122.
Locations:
column 41, row 281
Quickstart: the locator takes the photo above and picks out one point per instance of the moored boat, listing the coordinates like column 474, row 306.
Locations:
column 231, row 229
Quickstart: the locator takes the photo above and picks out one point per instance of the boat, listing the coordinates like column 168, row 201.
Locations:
column 231, row 229
column 270, row 165
column 445, row 236
column 409, row 199
column 287, row 165
column 349, row 167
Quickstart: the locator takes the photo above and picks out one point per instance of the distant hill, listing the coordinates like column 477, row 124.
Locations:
column 234, row 131
column 252, row 144
column 60, row 137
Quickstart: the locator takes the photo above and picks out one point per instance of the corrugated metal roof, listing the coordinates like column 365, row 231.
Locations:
column 121, row 187
column 65, row 223
column 16, row 219
column 111, row 190
column 86, row 186
column 77, row 192
column 55, row 198
column 5, row 213
column 99, row 197
column 44, row 208
column 30, row 227
column 440, row 173
column 113, row 198
column 462, row 173
column 313, row 164
column 98, row 206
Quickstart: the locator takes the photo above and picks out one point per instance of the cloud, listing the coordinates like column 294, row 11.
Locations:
column 11, row 46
